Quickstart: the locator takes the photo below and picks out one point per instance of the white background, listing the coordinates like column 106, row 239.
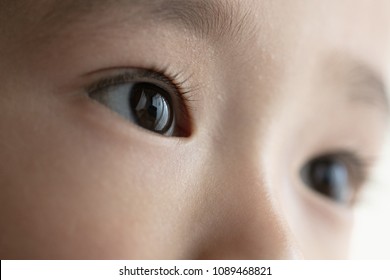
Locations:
column 371, row 239
column 109, row 270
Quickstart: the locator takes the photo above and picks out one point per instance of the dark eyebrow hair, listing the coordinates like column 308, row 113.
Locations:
column 215, row 20
column 210, row 19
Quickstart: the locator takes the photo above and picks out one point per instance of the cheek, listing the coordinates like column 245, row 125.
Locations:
column 69, row 190
column 78, row 184
column 321, row 231
column 321, row 228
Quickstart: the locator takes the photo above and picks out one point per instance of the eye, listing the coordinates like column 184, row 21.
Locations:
column 151, row 107
column 153, row 103
column 336, row 177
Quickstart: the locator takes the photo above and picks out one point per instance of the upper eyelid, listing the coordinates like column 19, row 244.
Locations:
column 176, row 82
column 128, row 76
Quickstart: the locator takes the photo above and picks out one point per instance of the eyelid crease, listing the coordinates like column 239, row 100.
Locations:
column 137, row 75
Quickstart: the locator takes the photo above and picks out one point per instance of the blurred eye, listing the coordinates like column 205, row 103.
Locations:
column 336, row 177
column 147, row 104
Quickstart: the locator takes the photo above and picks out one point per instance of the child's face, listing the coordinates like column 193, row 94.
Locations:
column 261, row 158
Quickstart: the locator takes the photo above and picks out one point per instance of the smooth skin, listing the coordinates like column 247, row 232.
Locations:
column 272, row 85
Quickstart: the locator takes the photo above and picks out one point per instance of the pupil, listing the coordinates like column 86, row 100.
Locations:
column 329, row 177
column 151, row 107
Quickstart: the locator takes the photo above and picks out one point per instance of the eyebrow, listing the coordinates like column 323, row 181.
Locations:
column 215, row 20
column 209, row 19
column 364, row 85
column 372, row 89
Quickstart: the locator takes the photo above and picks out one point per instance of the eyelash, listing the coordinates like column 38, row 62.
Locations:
column 175, row 82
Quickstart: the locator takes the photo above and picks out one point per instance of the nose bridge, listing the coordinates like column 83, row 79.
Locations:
column 243, row 219
column 240, row 214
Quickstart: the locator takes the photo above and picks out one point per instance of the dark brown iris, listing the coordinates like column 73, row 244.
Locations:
column 151, row 107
